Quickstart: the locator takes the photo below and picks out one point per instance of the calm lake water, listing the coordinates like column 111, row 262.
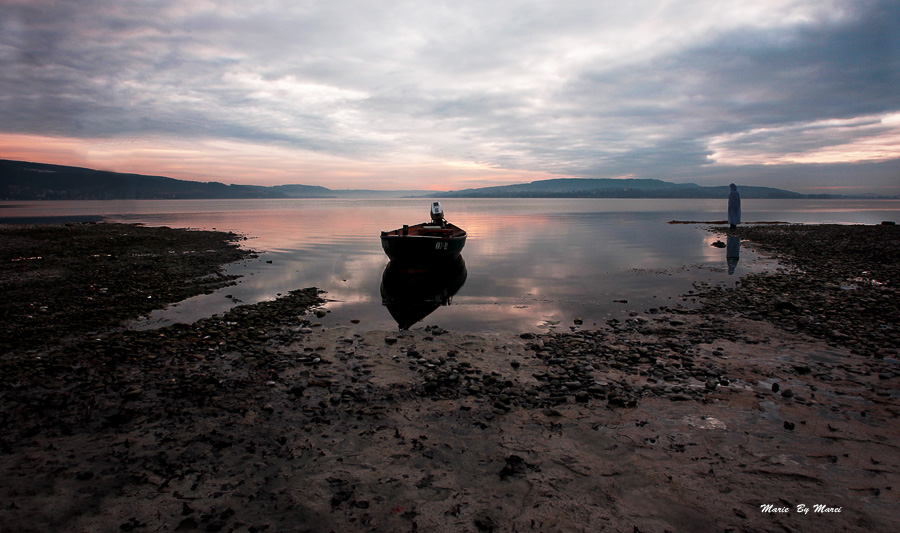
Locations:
column 528, row 263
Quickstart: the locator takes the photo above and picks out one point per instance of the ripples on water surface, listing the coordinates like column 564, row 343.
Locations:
column 529, row 262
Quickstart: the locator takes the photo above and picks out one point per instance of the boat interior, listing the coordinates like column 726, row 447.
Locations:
column 428, row 229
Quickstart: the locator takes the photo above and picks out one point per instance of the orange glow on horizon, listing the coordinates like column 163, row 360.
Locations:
column 254, row 164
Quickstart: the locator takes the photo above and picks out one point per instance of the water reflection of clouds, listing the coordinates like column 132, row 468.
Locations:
column 571, row 255
column 357, row 285
column 502, row 316
column 527, row 262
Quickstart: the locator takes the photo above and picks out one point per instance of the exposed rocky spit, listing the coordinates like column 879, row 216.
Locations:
column 839, row 284
column 71, row 279
column 782, row 390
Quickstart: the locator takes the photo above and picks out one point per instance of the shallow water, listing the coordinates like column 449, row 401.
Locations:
column 529, row 263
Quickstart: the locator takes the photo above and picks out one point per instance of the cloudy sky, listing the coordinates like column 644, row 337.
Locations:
column 798, row 94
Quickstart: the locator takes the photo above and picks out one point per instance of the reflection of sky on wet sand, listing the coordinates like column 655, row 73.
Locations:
column 529, row 261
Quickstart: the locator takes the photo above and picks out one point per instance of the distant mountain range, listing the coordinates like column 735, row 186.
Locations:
column 616, row 188
column 21, row 180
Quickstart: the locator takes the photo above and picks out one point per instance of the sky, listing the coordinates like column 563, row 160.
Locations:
column 796, row 94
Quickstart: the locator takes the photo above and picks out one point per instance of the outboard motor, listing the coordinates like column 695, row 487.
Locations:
column 437, row 213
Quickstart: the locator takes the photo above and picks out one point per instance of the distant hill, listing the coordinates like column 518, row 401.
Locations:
column 615, row 188
column 21, row 180
column 303, row 191
column 315, row 191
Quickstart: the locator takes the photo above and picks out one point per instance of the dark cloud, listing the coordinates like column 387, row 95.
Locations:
column 743, row 81
column 578, row 90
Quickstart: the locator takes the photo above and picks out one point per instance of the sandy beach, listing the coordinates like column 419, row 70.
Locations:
column 769, row 406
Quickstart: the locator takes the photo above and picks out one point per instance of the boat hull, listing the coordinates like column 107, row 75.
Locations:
column 412, row 248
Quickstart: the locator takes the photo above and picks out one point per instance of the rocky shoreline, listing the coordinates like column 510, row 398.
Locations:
column 71, row 279
column 782, row 391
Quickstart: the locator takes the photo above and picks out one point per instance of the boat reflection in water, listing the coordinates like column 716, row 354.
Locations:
column 411, row 294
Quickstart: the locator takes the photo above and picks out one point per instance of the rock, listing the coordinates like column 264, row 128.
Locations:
column 616, row 401
column 188, row 524
column 515, row 467
column 133, row 393
column 485, row 523
column 785, row 306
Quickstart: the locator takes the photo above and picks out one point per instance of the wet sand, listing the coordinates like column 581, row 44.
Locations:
column 783, row 391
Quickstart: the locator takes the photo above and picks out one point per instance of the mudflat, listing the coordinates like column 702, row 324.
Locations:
column 770, row 406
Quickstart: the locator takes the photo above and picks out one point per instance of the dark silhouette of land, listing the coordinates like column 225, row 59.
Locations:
column 617, row 188
column 21, row 180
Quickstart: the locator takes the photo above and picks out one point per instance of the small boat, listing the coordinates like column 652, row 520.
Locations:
column 425, row 244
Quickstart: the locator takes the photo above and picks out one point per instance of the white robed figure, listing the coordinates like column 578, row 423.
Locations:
column 734, row 206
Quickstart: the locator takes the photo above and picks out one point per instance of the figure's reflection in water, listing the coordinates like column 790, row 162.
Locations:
column 412, row 294
column 732, row 252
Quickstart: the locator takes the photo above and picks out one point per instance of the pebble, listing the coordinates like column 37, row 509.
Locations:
column 133, row 394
